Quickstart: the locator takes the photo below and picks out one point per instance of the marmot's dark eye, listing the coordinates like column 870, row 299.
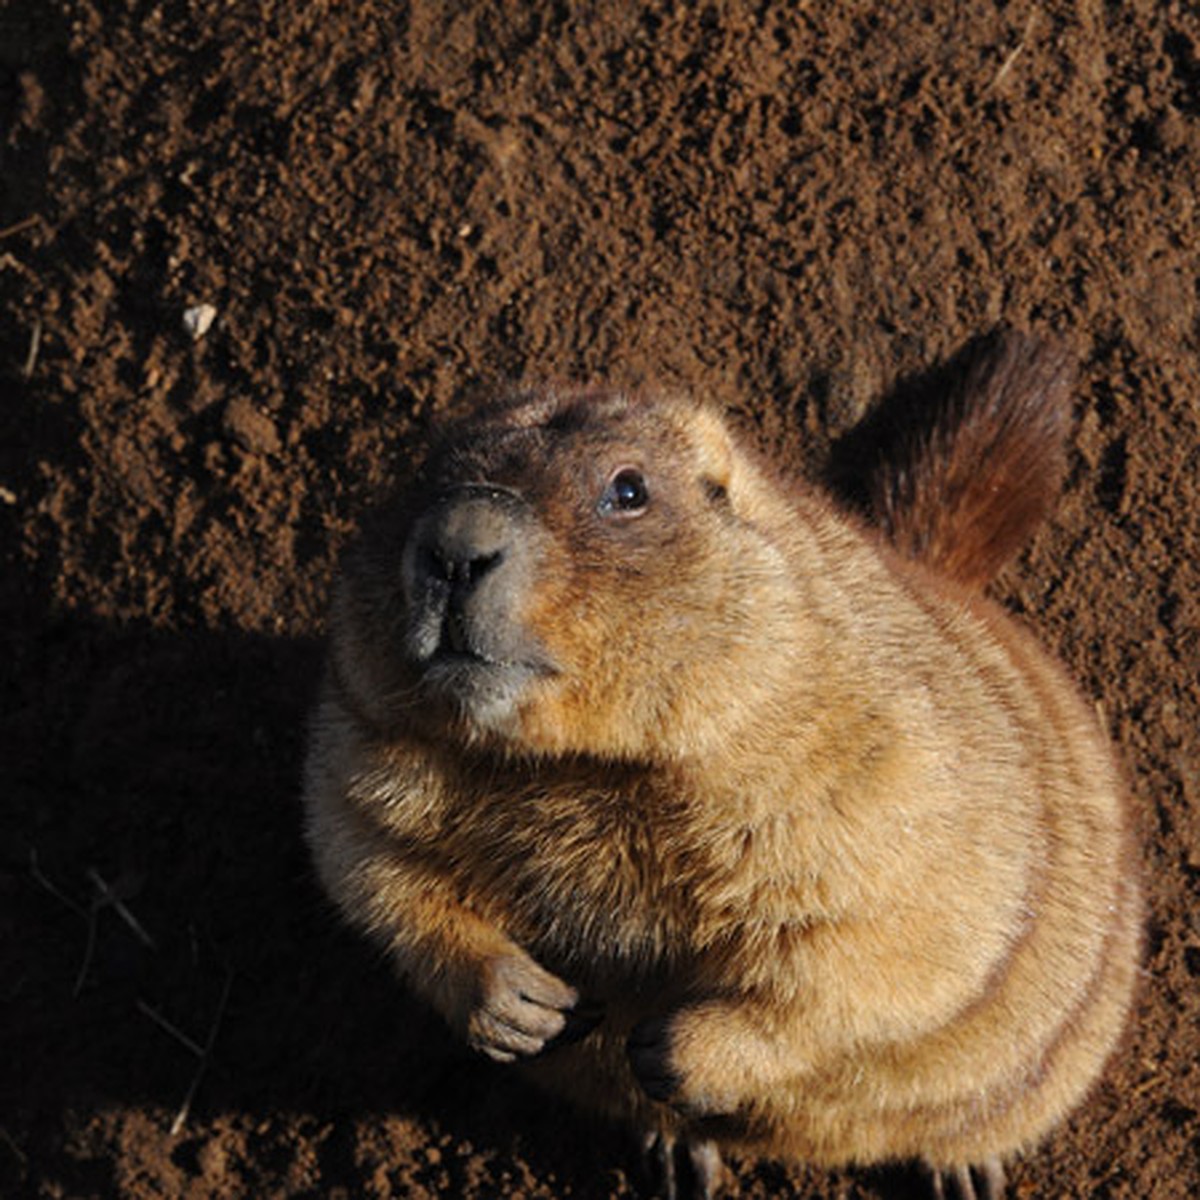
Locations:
column 626, row 493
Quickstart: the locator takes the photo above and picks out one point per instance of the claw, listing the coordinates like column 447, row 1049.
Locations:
column 984, row 1181
column 708, row 1170
column 579, row 1024
column 991, row 1173
column 660, row 1153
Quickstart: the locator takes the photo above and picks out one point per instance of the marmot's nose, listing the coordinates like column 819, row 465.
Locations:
column 460, row 567
column 466, row 537
column 470, row 564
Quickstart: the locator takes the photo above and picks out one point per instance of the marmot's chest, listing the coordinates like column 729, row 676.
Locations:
column 589, row 888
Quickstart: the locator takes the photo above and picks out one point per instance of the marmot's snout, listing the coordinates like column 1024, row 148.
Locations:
column 468, row 568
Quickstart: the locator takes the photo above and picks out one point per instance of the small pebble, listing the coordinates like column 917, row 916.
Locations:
column 198, row 319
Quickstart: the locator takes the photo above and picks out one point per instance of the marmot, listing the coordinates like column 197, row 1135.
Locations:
column 735, row 817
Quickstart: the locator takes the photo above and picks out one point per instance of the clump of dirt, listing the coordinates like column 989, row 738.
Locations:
column 393, row 207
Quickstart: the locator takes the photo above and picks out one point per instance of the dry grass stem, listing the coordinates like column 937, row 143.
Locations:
column 35, row 871
column 35, row 345
column 105, row 897
column 185, row 1108
column 182, row 1038
column 8, row 1140
column 1007, row 64
column 88, row 915
column 89, row 951
column 111, row 897
column 20, row 226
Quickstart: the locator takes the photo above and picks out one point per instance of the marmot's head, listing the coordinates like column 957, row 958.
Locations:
column 568, row 573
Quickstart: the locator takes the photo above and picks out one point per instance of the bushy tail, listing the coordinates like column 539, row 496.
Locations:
column 961, row 478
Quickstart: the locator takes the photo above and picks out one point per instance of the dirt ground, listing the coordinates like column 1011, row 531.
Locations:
column 794, row 209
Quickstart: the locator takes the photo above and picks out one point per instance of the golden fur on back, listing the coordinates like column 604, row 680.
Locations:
column 830, row 853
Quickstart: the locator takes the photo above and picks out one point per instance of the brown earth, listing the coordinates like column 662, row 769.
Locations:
column 795, row 209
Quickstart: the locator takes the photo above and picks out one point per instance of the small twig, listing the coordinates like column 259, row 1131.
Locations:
column 1007, row 64
column 1150, row 1082
column 35, row 344
column 36, row 872
column 20, row 226
column 185, row 1108
column 89, row 951
column 7, row 1139
column 111, row 897
column 88, row 915
column 182, row 1038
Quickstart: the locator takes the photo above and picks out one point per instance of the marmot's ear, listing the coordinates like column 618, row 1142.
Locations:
column 715, row 450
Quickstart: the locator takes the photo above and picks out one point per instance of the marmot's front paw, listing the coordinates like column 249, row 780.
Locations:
column 658, row 1054
column 521, row 1009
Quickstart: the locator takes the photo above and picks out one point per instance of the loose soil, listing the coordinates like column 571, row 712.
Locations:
column 794, row 209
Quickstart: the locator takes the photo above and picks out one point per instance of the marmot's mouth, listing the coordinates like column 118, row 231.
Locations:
column 447, row 660
column 483, row 668
column 456, row 637
column 484, row 691
column 460, row 646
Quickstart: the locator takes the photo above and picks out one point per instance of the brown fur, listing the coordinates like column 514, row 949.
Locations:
column 823, row 829
column 962, row 490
